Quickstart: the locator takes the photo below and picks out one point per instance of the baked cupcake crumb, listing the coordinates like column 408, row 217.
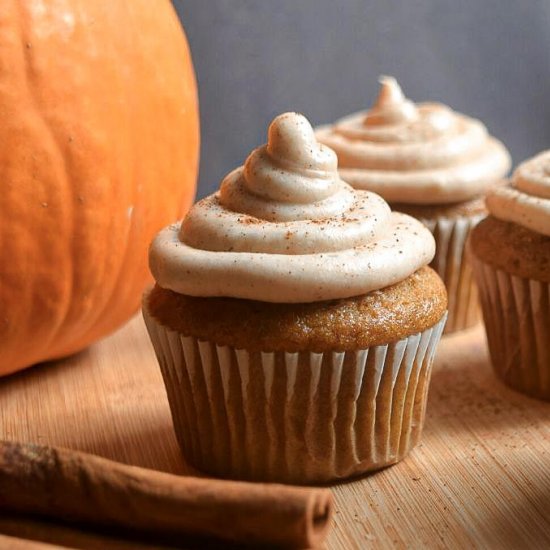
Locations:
column 383, row 316
column 512, row 248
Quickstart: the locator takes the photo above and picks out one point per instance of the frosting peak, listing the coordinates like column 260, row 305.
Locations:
column 285, row 228
column 527, row 200
column 292, row 169
column 291, row 139
column 422, row 153
column 391, row 106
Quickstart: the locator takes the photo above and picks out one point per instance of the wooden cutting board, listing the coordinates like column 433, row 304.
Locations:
column 479, row 479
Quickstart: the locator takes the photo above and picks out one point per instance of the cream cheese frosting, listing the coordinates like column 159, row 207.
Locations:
column 527, row 200
column 422, row 153
column 285, row 228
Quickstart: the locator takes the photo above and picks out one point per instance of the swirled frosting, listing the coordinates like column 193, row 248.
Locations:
column 285, row 228
column 415, row 153
column 527, row 200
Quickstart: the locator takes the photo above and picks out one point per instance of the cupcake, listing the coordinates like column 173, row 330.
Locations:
column 295, row 320
column 431, row 163
column 511, row 257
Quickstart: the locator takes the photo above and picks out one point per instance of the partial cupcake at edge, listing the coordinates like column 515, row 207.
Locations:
column 511, row 255
column 432, row 163
column 295, row 320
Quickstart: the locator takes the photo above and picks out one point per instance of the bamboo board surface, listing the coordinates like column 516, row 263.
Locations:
column 479, row 479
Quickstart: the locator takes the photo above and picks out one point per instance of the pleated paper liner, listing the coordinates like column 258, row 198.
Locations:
column 295, row 417
column 452, row 263
column 517, row 322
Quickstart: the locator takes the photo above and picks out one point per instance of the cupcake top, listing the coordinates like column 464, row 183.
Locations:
column 526, row 201
column 422, row 153
column 285, row 228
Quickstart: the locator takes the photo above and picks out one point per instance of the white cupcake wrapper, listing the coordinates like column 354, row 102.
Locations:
column 517, row 322
column 453, row 265
column 295, row 417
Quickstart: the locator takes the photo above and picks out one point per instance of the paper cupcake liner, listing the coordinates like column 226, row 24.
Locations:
column 517, row 322
column 452, row 263
column 294, row 417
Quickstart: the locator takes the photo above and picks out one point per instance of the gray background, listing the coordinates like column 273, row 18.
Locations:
column 255, row 59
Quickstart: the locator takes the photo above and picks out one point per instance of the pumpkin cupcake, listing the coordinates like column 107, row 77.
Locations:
column 431, row 163
column 511, row 256
column 295, row 320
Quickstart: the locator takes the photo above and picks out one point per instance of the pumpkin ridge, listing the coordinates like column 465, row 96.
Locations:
column 102, row 309
column 56, row 149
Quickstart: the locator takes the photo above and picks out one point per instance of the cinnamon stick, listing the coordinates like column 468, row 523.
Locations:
column 78, row 487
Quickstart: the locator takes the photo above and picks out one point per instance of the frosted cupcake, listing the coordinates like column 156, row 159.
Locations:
column 511, row 255
column 295, row 320
column 431, row 163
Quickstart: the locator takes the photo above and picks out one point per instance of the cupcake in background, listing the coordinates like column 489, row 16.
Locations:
column 432, row 163
column 511, row 256
column 295, row 320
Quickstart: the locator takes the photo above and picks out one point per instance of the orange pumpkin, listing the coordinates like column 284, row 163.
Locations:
column 98, row 150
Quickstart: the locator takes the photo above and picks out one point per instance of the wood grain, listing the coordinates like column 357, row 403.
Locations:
column 12, row 543
column 479, row 479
